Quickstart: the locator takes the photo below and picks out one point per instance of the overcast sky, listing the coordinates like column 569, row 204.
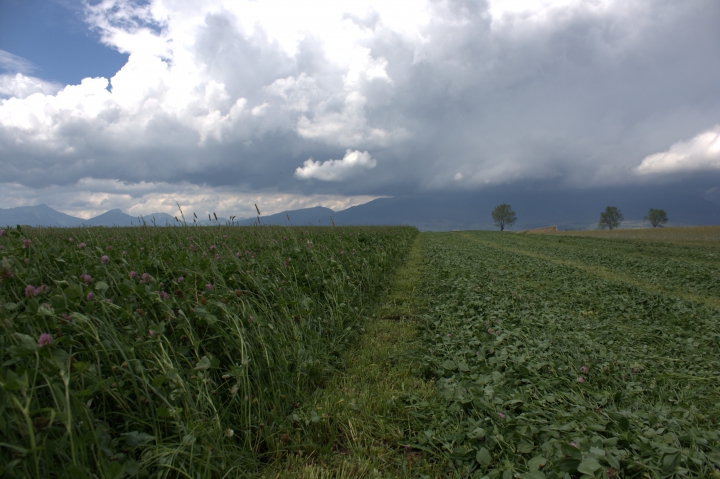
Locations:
column 288, row 104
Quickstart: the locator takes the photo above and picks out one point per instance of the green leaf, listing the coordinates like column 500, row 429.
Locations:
column 450, row 365
column 203, row 364
column 525, row 447
column 670, row 462
column 483, row 457
column 589, row 466
column 159, row 380
column 567, row 464
column 101, row 286
column 135, row 438
column 76, row 472
column 571, row 451
column 14, row 382
column 113, row 469
column 536, row 463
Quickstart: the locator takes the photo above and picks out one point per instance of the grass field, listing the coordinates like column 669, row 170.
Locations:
column 174, row 352
column 358, row 352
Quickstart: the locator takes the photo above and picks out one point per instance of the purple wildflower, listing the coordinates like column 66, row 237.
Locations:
column 104, row 259
column 86, row 277
column 164, row 295
column 209, row 286
column 44, row 340
column 133, row 274
column 3, row 233
column 217, row 257
column 580, row 380
column 502, row 416
column 70, row 240
column 212, row 247
column 583, row 369
column 251, row 319
column 89, row 296
column 145, row 278
column 180, row 279
column 27, row 261
column 82, row 245
column 31, row 290
column 573, row 444
column 26, row 243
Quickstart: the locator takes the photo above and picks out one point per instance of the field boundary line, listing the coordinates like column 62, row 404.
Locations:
column 365, row 425
column 603, row 273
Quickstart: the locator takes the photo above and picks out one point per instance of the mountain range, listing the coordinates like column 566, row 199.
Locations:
column 568, row 209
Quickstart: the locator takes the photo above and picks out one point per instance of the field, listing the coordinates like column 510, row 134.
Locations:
column 697, row 235
column 323, row 352
column 174, row 352
column 558, row 355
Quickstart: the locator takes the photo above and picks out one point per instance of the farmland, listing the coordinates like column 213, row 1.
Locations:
column 558, row 355
column 321, row 352
column 176, row 352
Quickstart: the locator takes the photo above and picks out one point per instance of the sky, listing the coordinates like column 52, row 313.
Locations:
column 222, row 104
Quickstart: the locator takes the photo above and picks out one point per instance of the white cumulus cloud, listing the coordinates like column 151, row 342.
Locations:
column 700, row 153
column 336, row 170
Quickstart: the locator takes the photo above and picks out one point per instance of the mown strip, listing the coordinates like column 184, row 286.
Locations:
column 603, row 272
column 360, row 424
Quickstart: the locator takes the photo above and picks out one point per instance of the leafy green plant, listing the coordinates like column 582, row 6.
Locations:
column 551, row 369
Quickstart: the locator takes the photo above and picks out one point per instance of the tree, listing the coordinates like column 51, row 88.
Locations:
column 656, row 217
column 503, row 215
column 611, row 218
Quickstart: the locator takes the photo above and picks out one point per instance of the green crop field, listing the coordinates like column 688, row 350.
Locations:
column 557, row 356
column 173, row 352
column 322, row 353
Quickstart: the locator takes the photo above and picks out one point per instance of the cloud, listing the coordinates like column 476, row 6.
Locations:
column 336, row 170
column 700, row 153
column 14, row 63
column 22, row 86
column 230, row 96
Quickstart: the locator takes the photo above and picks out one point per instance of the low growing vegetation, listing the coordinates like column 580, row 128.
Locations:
column 306, row 352
column 549, row 365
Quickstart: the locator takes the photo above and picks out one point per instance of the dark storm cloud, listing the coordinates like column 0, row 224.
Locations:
column 579, row 96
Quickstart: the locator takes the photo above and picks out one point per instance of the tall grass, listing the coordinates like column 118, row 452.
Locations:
column 176, row 352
